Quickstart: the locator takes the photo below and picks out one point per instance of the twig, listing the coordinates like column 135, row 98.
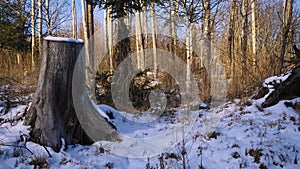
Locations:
column 10, row 145
column 47, row 151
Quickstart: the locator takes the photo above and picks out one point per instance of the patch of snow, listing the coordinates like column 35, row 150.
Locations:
column 63, row 39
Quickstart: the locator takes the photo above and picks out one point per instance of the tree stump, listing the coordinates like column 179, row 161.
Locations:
column 52, row 114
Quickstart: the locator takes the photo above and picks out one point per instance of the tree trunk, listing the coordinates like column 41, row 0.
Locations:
column 33, row 34
column 207, row 25
column 90, row 18
column 105, row 29
column 48, row 20
column 253, row 16
column 74, row 13
column 110, row 39
column 139, row 40
column 85, row 32
column 286, row 27
column 40, row 3
column 244, row 40
column 154, row 38
column 231, row 41
column 144, row 26
column 174, row 9
column 52, row 115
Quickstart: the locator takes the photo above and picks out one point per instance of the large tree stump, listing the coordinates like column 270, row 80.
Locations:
column 52, row 114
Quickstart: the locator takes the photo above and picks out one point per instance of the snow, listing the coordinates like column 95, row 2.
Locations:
column 240, row 137
column 63, row 39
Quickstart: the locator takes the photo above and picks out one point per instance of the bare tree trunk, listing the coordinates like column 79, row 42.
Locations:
column 33, row 34
column 74, row 13
column 144, row 26
column 90, row 18
column 40, row 3
column 188, row 54
column 154, row 37
column 207, row 30
column 85, row 32
column 139, row 45
column 110, row 39
column 138, row 60
column 48, row 19
column 253, row 16
column 286, row 28
column 244, row 40
column 231, row 39
column 105, row 29
column 174, row 9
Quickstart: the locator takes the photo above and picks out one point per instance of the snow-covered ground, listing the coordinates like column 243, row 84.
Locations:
column 246, row 136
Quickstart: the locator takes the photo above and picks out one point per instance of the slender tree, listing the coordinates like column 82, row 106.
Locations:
column 253, row 27
column 40, row 31
column 110, row 38
column 48, row 20
column 244, row 40
column 33, row 34
column 154, row 37
column 74, row 14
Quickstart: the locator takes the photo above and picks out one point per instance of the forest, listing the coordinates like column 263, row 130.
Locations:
column 149, row 84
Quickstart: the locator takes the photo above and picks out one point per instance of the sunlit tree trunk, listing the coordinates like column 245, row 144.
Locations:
column 85, row 32
column 154, row 37
column 253, row 25
column 74, row 13
column 144, row 26
column 33, row 34
column 48, row 19
column 110, row 39
column 105, row 29
column 139, row 39
column 207, row 30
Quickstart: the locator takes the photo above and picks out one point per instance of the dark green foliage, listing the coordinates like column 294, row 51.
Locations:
column 122, row 8
column 14, row 25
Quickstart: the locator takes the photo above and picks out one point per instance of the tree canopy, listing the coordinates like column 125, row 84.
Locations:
column 14, row 25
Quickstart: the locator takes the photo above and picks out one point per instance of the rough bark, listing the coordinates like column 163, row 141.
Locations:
column 286, row 28
column 52, row 115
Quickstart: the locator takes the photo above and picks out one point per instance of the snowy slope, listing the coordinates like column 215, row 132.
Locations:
column 246, row 136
